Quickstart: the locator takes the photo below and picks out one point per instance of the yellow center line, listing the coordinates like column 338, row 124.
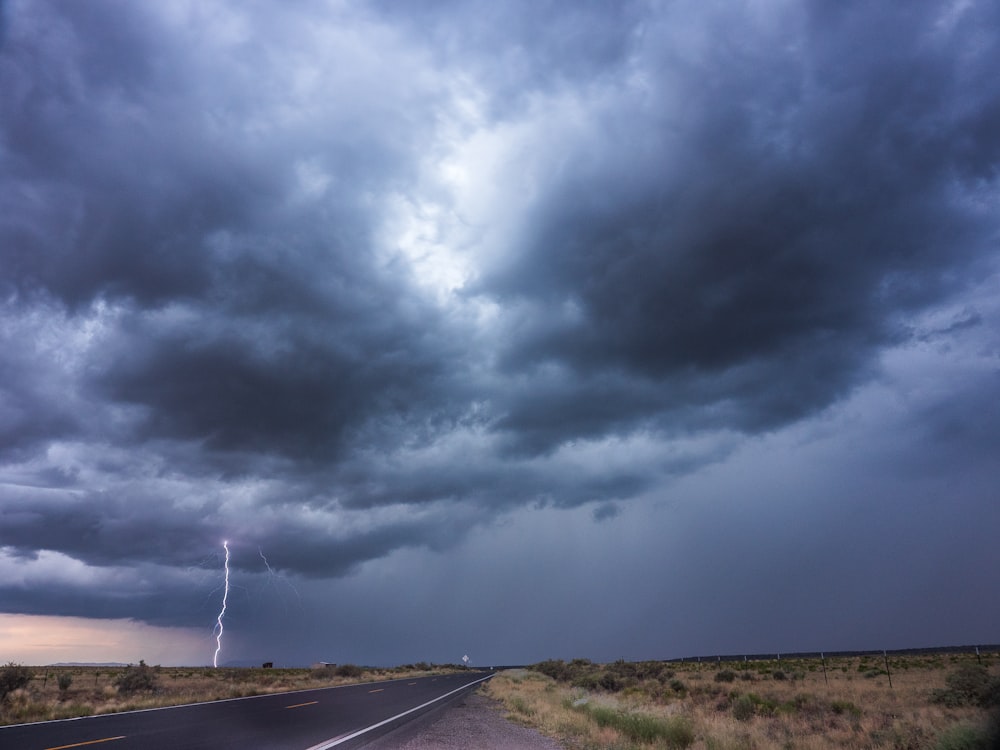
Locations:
column 300, row 705
column 89, row 742
column 376, row 691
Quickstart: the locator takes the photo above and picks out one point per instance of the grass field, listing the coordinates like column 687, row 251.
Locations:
column 938, row 702
column 65, row 692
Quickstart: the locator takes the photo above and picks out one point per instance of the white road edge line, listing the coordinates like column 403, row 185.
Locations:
column 340, row 740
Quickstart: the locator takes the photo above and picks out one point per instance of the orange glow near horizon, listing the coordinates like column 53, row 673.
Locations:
column 42, row 639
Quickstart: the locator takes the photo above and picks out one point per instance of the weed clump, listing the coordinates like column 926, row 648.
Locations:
column 135, row 679
column 842, row 708
column 675, row 732
column 744, row 708
column 726, row 675
column 969, row 686
column 349, row 670
column 13, row 677
column 968, row 737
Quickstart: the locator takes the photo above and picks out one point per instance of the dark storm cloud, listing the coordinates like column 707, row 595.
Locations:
column 223, row 232
column 102, row 529
column 773, row 222
column 120, row 191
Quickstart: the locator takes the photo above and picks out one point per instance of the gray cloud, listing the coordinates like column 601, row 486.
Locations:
column 360, row 284
column 774, row 222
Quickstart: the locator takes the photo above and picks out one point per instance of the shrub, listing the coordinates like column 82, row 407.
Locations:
column 13, row 677
column 557, row 669
column 744, row 708
column 676, row 732
column 323, row 672
column 65, row 680
column 349, row 670
column 521, row 706
column 967, row 737
column 778, row 674
column 969, row 686
column 846, row 707
column 589, row 681
column 610, row 682
column 726, row 675
column 136, row 678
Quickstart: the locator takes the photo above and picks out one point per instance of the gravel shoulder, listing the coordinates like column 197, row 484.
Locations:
column 473, row 721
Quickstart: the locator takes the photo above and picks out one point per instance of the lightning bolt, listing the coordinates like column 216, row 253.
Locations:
column 276, row 576
column 218, row 621
column 266, row 563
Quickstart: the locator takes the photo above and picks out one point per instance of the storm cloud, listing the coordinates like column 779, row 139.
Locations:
column 353, row 283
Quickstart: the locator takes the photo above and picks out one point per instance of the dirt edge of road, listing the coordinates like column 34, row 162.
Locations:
column 472, row 721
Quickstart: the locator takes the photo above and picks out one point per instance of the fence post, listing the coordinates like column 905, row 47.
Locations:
column 826, row 679
column 886, row 657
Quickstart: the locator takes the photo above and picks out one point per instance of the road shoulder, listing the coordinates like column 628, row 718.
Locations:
column 473, row 720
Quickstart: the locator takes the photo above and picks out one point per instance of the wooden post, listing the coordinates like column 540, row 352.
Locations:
column 886, row 657
column 825, row 678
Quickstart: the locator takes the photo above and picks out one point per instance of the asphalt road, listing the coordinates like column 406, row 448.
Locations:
column 334, row 718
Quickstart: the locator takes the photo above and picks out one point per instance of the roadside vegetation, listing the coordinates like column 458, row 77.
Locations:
column 935, row 702
column 43, row 693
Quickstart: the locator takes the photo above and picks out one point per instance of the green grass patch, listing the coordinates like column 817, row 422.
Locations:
column 675, row 732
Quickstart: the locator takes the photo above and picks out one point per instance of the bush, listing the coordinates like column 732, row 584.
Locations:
column 726, row 675
column 967, row 737
column 675, row 731
column 136, row 678
column 65, row 680
column 589, row 681
column 13, row 677
column 349, row 670
column 778, row 674
column 846, row 707
column 744, row 708
column 557, row 669
column 678, row 732
column 969, row 686
column 610, row 682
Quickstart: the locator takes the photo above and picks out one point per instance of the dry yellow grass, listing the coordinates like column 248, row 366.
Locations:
column 852, row 706
column 92, row 689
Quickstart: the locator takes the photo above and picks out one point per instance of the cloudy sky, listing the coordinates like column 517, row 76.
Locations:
column 517, row 330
